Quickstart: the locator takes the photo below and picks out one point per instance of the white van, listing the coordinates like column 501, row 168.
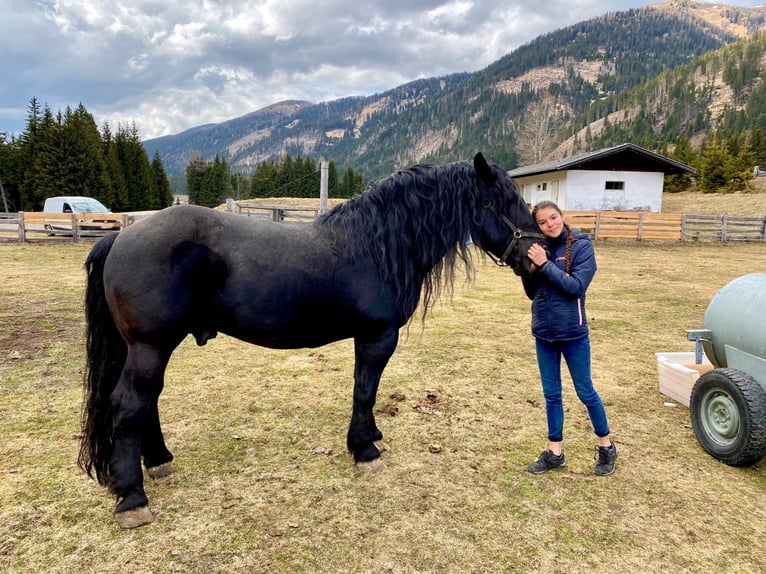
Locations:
column 79, row 205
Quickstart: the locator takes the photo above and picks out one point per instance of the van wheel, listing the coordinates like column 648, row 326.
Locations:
column 49, row 229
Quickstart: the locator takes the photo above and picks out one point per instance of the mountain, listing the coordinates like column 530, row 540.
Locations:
column 338, row 129
column 647, row 74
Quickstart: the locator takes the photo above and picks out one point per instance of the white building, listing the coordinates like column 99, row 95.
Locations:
column 626, row 177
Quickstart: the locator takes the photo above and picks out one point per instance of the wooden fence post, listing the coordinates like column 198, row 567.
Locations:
column 598, row 225
column 22, row 228
column 323, row 185
column 75, row 230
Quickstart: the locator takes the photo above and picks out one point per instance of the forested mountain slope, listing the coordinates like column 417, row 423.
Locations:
column 645, row 75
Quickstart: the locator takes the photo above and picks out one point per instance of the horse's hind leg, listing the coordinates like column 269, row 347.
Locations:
column 131, row 399
column 157, row 457
column 371, row 358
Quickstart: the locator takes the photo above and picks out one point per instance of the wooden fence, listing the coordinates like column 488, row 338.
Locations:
column 277, row 212
column 605, row 225
column 644, row 226
column 723, row 228
column 41, row 227
column 636, row 225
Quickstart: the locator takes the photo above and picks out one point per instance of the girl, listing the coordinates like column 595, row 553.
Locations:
column 559, row 325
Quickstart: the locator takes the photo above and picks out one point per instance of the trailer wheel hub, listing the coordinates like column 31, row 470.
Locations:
column 720, row 417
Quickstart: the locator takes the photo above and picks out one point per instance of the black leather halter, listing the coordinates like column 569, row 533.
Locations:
column 517, row 234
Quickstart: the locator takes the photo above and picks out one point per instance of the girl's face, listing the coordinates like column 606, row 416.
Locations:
column 550, row 221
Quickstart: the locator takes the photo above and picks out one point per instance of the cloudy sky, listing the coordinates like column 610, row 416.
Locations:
column 169, row 65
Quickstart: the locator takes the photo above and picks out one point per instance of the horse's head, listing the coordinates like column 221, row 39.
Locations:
column 503, row 226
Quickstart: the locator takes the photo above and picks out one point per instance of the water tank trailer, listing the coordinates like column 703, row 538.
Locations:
column 728, row 403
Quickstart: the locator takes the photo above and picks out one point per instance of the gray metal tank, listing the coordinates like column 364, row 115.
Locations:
column 736, row 318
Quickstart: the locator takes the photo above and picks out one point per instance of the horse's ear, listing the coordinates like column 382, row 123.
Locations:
column 483, row 170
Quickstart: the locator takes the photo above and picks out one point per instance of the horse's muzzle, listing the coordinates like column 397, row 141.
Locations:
column 524, row 265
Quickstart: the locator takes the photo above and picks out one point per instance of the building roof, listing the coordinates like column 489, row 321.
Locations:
column 623, row 157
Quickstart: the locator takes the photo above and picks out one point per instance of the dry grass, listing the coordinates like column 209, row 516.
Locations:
column 263, row 483
column 751, row 204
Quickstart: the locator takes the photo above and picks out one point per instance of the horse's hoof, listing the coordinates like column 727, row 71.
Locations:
column 374, row 466
column 161, row 470
column 134, row 518
column 381, row 446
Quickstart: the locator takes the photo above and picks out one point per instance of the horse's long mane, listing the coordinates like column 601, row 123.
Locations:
column 414, row 225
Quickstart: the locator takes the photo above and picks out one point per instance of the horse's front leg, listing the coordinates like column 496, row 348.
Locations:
column 157, row 457
column 131, row 401
column 371, row 358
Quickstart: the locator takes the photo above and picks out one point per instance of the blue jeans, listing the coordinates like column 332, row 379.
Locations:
column 577, row 356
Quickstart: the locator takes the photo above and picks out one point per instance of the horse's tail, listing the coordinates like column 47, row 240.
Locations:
column 106, row 354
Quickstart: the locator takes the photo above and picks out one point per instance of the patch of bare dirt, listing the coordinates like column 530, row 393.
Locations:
column 34, row 329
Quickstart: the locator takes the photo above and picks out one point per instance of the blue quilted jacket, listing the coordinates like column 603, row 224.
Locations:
column 558, row 298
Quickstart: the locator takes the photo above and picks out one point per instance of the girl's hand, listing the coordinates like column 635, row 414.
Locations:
column 537, row 255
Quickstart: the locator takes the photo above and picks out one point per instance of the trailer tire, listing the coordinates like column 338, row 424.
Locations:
column 728, row 412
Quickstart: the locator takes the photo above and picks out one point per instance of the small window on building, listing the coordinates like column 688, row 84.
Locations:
column 618, row 185
column 542, row 186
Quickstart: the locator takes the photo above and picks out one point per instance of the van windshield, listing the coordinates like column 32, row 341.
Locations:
column 91, row 206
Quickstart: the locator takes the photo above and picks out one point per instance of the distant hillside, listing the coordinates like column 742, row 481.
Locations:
column 722, row 90
column 643, row 75
column 211, row 139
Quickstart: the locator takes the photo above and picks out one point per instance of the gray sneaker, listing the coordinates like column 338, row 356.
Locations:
column 546, row 461
column 605, row 458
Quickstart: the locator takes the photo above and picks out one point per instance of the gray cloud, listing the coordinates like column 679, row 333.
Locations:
column 171, row 65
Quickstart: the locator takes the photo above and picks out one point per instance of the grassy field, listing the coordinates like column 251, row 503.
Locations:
column 738, row 204
column 263, row 482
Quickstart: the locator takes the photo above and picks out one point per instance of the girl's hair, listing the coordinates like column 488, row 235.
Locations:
column 545, row 204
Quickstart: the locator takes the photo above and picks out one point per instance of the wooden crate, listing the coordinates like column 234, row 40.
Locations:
column 678, row 373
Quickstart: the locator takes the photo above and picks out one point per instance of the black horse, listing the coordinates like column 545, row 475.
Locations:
column 358, row 271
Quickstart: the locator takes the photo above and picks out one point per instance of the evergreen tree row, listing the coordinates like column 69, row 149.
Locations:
column 210, row 183
column 723, row 163
column 65, row 154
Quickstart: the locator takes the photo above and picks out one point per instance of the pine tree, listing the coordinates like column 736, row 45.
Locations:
column 739, row 168
column 10, row 174
column 758, row 144
column 195, row 171
column 83, row 169
column 352, row 183
column 135, row 168
column 215, row 184
column 284, row 176
column 713, row 165
column 28, row 150
column 305, row 180
column 163, row 197
column 43, row 174
column 263, row 182
column 333, row 185
column 240, row 185
column 685, row 154
column 118, row 189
